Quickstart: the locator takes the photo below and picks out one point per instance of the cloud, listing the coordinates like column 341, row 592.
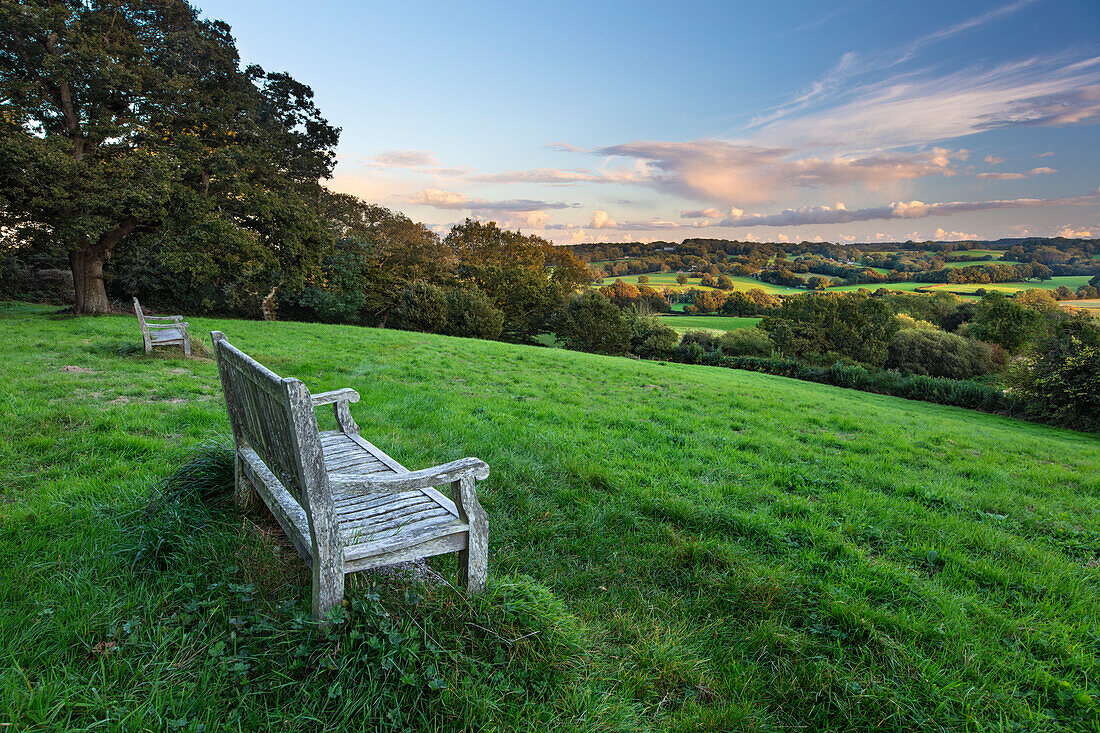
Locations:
column 897, row 210
column 562, row 176
column 1068, row 231
column 564, row 147
column 533, row 219
column 439, row 199
column 1047, row 154
column 942, row 235
column 1000, row 176
column 452, row 200
column 1041, row 171
column 601, row 220
column 403, row 159
column 994, row 159
column 916, row 107
column 716, row 170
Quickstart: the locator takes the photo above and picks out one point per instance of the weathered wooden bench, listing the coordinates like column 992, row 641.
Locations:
column 345, row 505
column 163, row 330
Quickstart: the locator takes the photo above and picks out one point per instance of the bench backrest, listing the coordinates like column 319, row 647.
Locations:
column 141, row 319
column 274, row 417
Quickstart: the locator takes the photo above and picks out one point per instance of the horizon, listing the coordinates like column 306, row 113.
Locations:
column 594, row 124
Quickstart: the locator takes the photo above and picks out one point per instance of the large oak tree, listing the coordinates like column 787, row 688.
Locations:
column 126, row 117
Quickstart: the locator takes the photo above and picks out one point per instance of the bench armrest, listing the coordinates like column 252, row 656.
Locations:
column 463, row 468
column 336, row 395
column 339, row 399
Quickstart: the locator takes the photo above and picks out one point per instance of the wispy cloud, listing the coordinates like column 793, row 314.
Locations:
column 994, row 159
column 440, row 199
column 715, row 170
column 922, row 106
column 1000, row 176
column 839, row 214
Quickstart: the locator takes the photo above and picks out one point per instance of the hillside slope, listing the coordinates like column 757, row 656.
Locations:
column 744, row 551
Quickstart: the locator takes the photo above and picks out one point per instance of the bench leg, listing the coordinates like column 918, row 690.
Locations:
column 186, row 345
column 243, row 493
column 474, row 560
column 328, row 584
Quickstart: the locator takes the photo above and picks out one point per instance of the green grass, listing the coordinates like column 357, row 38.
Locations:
column 668, row 279
column 709, row 323
column 706, row 549
column 1071, row 281
column 907, row 287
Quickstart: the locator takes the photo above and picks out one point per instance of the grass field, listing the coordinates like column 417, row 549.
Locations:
column 668, row 279
column 672, row 547
column 907, row 287
column 1071, row 281
column 708, row 323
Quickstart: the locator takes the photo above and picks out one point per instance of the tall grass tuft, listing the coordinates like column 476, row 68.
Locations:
column 184, row 506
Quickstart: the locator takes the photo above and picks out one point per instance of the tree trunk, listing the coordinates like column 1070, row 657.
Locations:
column 91, row 296
column 87, row 265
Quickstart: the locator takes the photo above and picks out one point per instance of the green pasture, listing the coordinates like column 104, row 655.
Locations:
column 672, row 548
column 709, row 323
column 1071, row 281
column 668, row 279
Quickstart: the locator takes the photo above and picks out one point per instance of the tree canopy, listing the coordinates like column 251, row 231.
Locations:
column 135, row 118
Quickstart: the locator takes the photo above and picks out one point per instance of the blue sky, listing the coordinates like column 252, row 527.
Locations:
column 586, row 121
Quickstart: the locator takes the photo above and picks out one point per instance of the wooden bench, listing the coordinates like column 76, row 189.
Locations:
column 345, row 505
column 162, row 330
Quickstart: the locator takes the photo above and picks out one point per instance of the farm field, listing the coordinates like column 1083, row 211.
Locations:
column 672, row 548
column 1071, row 281
column 668, row 279
column 709, row 323
column 907, row 287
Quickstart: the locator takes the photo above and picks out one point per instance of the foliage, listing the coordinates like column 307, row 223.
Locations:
column 1059, row 376
column 470, row 314
column 136, row 120
column 591, row 322
column 378, row 253
column 939, row 354
column 707, row 346
column 422, row 307
column 749, row 303
column 1002, row 321
column 850, row 324
column 649, row 336
column 526, row 277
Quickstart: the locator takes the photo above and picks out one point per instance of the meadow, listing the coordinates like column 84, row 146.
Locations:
column 668, row 280
column 672, row 547
column 709, row 323
column 1071, row 281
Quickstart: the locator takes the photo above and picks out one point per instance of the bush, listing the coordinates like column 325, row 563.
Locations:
column 470, row 314
column 746, row 342
column 648, row 336
column 422, row 307
column 939, row 354
column 591, row 322
column 710, row 347
column 1059, row 377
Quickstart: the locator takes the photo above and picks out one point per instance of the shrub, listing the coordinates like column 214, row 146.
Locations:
column 422, row 307
column 939, row 354
column 470, row 314
column 746, row 342
column 590, row 322
column 648, row 336
column 1059, row 377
